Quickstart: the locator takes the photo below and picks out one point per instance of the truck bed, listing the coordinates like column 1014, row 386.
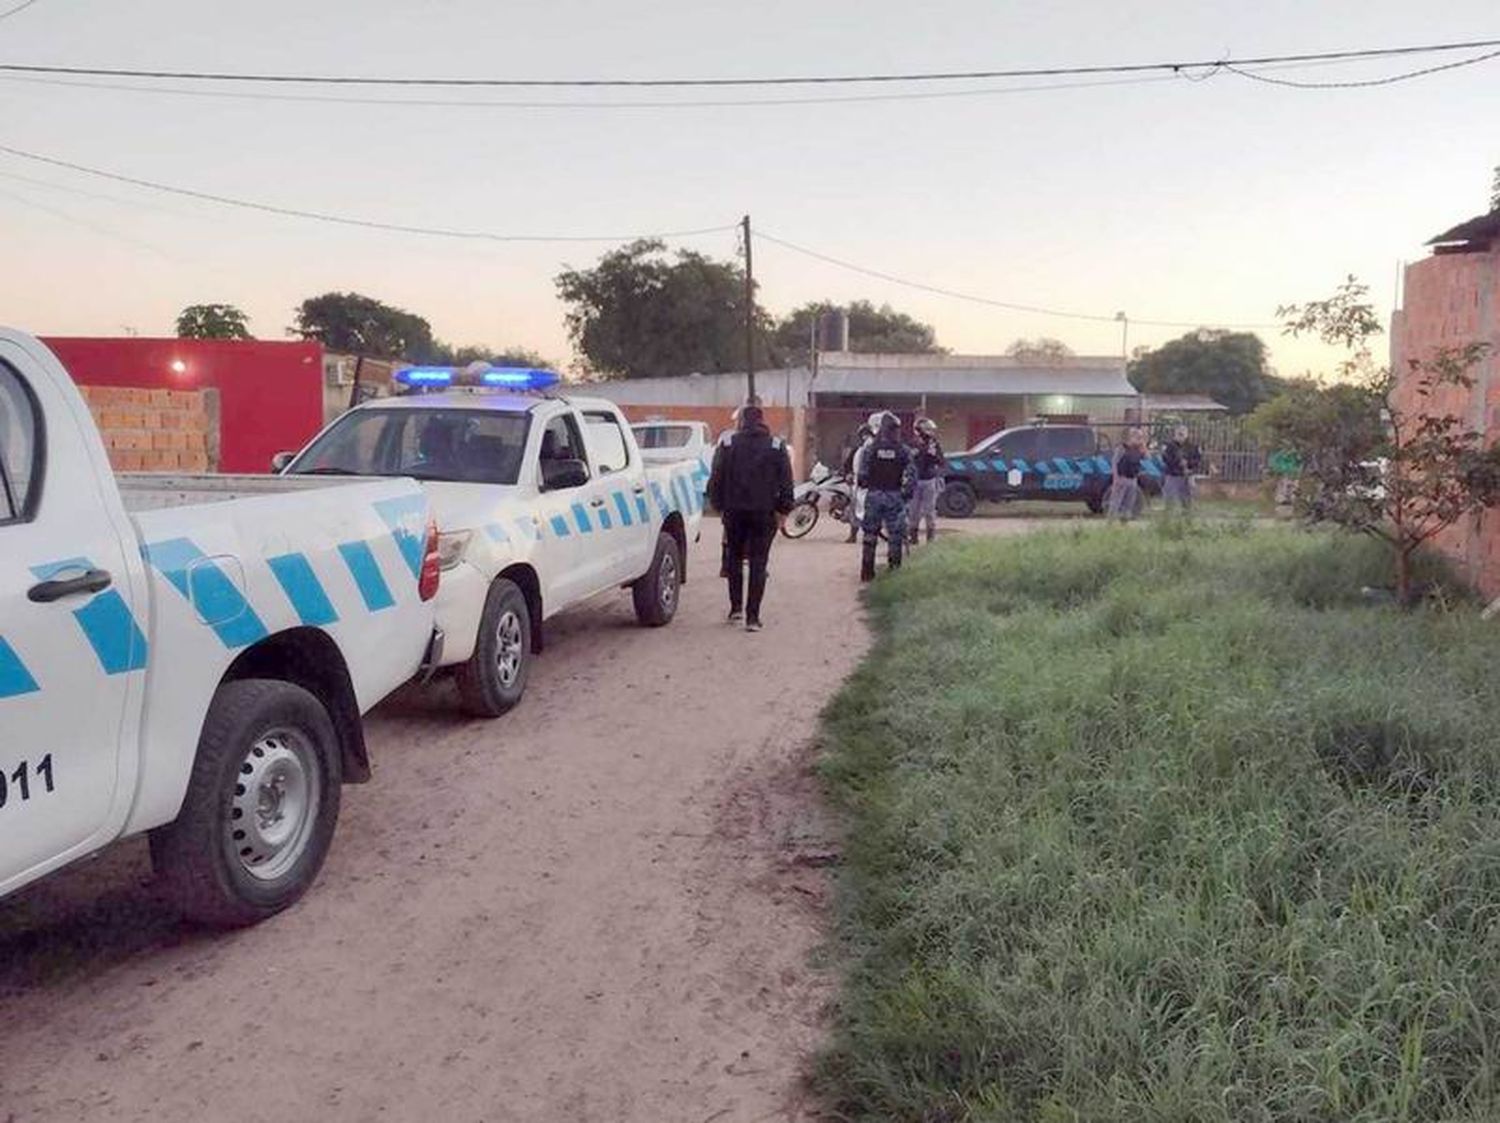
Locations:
column 151, row 491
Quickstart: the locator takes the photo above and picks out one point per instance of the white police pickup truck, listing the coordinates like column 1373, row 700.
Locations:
column 542, row 502
column 193, row 669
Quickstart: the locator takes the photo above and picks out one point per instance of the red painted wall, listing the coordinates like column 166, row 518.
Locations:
column 270, row 393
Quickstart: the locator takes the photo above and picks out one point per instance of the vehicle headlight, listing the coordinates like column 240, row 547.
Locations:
column 451, row 547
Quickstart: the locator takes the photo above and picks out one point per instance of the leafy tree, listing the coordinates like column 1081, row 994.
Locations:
column 213, row 321
column 1227, row 366
column 353, row 324
column 640, row 313
column 501, row 357
column 1043, row 350
column 871, row 330
column 1495, row 190
column 1379, row 453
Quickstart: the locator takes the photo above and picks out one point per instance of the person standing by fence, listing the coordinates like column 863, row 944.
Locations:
column 751, row 483
column 1125, row 498
column 1176, row 486
column 927, row 456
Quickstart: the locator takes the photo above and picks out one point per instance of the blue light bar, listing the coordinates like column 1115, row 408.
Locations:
column 519, row 378
column 425, row 376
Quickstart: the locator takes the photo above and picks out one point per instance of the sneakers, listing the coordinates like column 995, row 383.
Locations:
column 736, row 615
column 753, row 624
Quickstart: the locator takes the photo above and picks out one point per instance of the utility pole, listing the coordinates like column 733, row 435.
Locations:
column 749, row 315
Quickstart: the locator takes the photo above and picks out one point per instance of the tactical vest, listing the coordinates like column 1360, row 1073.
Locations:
column 885, row 465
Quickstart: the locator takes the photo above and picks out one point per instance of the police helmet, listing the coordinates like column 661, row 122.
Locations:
column 926, row 425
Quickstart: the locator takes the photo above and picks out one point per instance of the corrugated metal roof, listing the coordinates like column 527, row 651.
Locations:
column 974, row 381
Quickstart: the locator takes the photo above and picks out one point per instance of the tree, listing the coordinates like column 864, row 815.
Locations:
column 1042, row 350
column 640, row 313
column 1379, row 453
column 353, row 324
column 1495, row 190
column 871, row 330
column 1227, row 366
column 498, row 357
column 213, row 321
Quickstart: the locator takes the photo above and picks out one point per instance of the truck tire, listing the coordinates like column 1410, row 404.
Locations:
column 261, row 805
column 492, row 681
column 655, row 594
column 957, row 500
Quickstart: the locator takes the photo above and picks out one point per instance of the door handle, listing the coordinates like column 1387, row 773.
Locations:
column 91, row 581
column 639, row 489
column 596, row 502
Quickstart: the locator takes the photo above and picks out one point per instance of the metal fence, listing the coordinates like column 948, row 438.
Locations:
column 1230, row 453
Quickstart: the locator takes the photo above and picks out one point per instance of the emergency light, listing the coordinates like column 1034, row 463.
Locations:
column 476, row 375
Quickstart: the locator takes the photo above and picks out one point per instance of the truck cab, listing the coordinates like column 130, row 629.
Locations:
column 1071, row 463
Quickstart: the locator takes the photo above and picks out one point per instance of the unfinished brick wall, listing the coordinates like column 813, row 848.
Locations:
column 157, row 430
column 1450, row 300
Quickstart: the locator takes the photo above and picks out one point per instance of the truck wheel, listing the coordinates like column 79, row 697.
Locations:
column 494, row 678
column 957, row 500
column 655, row 594
column 1096, row 503
column 261, row 805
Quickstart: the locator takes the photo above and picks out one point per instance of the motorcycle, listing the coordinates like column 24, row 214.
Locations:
column 824, row 487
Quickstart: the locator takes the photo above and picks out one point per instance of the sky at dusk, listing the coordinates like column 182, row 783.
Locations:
column 1206, row 201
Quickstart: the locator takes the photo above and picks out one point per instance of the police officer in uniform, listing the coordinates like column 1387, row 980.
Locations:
column 885, row 471
column 927, row 457
column 751, row 484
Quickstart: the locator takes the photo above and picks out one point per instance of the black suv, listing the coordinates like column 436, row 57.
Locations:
column 1056, row 462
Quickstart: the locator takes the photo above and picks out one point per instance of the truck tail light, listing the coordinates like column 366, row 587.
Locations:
column 432, row 566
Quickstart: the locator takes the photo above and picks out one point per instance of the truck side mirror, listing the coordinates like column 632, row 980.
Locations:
column 280, row 461
column 558, row 475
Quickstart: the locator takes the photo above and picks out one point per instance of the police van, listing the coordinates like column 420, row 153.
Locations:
column 1068, row 463
column 189, row 656
column 543, row 501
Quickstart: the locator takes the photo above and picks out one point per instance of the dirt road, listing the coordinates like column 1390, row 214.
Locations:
column 601, row 907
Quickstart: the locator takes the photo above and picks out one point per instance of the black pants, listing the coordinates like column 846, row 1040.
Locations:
column 748, row 534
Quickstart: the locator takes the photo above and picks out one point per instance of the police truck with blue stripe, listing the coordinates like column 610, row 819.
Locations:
column 189, row 656
column 542, row 501
column 1071, row 463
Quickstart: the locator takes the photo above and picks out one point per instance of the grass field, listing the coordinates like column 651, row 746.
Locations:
column 1166, row 824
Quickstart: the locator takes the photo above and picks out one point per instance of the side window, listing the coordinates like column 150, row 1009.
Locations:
column 1025, row 445
column 1069, row 442
column 562, row 441
column 606, row 443
column 20, row 448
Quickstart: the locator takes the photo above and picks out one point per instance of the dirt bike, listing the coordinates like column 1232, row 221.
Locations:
column 825, row 487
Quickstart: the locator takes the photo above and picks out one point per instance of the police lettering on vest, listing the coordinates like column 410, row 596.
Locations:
column 885, row 465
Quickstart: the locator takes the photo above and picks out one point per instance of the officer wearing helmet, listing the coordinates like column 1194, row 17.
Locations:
column 862, row 438
column 927, row 459
column 885, row 472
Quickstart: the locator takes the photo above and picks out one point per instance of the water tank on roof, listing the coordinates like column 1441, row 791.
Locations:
column 833, row 330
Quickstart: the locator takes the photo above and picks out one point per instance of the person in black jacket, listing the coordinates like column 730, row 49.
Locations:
column 751, row 483
column 884, row 469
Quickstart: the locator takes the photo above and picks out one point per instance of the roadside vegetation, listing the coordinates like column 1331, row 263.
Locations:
column 1170, row 825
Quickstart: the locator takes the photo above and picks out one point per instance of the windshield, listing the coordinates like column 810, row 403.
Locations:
column 663, row 436
column 461, row 445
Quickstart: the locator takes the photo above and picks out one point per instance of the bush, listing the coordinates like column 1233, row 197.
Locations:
column 1142, row 827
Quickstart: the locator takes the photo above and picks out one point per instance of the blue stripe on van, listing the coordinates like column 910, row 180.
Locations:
column 601, row 515
column 403, row 515
column 560, row 526
column 294, row 573
column 106, row 620
column 14, row 677
column 366, row 573
column 661, row 499
column 623, row 506
column 214, row 596
column 642, row 508
column 581, row 518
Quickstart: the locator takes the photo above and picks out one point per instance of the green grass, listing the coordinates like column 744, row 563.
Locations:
column 1166, row 825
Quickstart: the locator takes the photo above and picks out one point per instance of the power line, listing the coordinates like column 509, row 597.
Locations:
column 342, row 220
column 1388, row 80
column 18, row 9
column 1008, row 305
column 782, row 80
column 469, row 103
